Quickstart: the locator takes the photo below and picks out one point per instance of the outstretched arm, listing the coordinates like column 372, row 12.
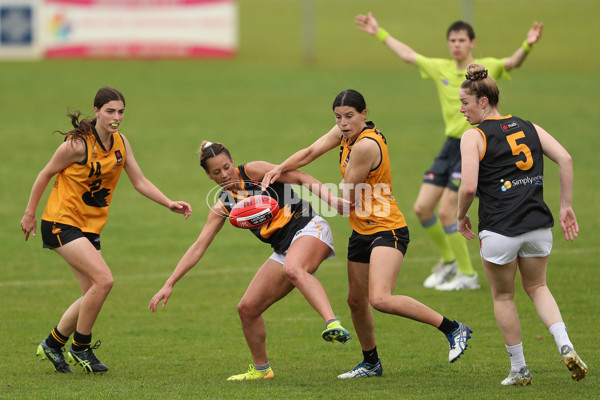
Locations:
column 533, row 36
column 554, row 151
column 305, row 156
column 368, row 24
column 147, row 188
column 258, row 169
column 192, row 256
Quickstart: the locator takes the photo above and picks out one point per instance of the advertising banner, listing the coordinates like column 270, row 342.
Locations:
column 139, row 28
column 20, row 29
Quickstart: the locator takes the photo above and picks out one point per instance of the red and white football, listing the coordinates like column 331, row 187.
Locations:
column 253, row 211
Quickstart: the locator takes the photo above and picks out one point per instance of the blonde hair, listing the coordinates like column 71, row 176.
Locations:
column 480, row 84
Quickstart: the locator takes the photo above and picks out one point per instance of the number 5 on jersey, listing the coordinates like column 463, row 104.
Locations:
column 518, row 148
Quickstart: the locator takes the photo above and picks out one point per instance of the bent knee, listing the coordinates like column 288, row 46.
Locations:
column 423, row 212
column 380, row 303
column 294, row 273
column 104, row 283
column 247, row 310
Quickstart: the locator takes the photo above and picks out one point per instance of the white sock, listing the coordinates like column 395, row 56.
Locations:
column 517, row 359
column 559, row 333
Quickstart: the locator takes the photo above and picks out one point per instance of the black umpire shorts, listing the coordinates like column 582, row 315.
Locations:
column 445, row 170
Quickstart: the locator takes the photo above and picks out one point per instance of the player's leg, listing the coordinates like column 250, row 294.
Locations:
column 465, row 278
column 268, row 286
column 383, row 274
column 501, row 279
column 424, row 207
column 362, row 318
column 533, row 277
column 384, row 268
column 96, row 281
column 301, row 261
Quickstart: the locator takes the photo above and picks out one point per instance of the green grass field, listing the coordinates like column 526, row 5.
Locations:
column 265, row 104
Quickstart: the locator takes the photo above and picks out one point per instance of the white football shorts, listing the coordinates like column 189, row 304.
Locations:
column 501, row 250
column 316, row 227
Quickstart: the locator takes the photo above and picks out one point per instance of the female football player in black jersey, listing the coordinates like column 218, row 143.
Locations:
column 502, row 161
column 300, row 238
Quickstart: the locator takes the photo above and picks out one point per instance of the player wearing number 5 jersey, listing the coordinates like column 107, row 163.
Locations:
column 441, row 181
column 88, row 165
column 502, row 160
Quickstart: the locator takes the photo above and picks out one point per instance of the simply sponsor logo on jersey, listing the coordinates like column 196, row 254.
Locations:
column 507, row 184
column 509, row 126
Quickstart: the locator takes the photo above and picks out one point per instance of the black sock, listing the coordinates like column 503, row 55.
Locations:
column 447, row 326
column 81, row 341
column 370, row 356
column 55, row 339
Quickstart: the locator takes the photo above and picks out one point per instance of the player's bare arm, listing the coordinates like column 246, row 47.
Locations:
column 364, row 157
column 305, row 156
column 214, row 223
column 557, row 153
column 69, row 152
column 471, row 147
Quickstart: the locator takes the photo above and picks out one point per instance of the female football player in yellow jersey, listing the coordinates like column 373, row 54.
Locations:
column 503, row 161
column 300, row 238
column 87, row 168
column 379, row 237
column 441, row 181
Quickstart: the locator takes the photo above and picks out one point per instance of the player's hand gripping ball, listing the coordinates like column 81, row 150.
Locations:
column 253, row 212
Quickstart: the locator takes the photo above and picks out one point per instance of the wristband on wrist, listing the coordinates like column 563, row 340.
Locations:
column 526, row 46
column 382, row 34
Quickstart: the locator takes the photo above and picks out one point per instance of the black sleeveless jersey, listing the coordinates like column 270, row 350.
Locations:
column 294, row 212
column 511, row 178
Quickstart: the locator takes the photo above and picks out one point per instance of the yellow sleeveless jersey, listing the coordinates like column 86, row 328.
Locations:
column 82, row 192
column 378, row 210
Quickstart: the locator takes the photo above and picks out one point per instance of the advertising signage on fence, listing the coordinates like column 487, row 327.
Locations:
column 19, row 29
column 139, row 29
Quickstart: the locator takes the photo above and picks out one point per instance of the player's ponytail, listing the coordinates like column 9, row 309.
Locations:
column 209, row 150
column 478, row 83
column 81, row 129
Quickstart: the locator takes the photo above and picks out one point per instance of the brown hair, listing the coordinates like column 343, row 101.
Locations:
column 83, row 128
column 481, row 85
column 461, row 26
column 210, row 150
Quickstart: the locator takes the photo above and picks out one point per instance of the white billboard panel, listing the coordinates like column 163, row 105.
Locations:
column 139, row 29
